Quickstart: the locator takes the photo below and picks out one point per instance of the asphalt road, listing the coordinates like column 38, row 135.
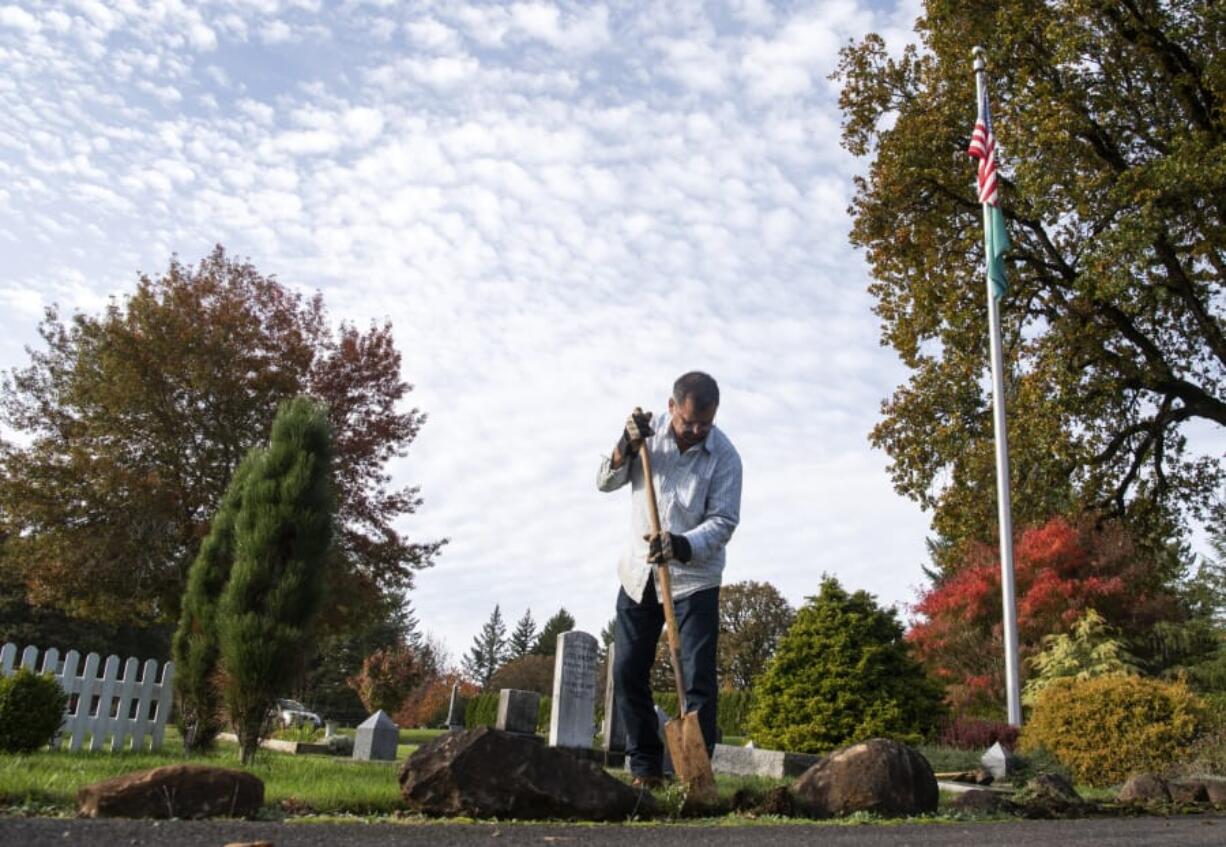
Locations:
column 1185, row 831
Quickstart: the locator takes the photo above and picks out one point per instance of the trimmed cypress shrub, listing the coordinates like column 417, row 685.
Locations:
column 31, row 710
column 195, row 646
column 282, row 533
column 842, row 674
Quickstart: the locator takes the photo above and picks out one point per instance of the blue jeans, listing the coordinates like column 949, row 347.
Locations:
column 637, row 633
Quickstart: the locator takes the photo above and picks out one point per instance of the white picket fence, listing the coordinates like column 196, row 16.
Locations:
column 133, row 707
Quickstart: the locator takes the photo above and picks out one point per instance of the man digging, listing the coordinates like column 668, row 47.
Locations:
column 697, row 476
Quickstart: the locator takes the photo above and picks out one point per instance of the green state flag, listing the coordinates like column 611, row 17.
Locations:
column 995, row 243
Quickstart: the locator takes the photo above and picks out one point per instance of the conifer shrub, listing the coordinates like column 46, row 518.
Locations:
column 1105, row 728
column 31, row 710
column 267, row 611
column 481, row 710
column 733, row 713
column 543, row 713
column 195, row 646
column 842, row 674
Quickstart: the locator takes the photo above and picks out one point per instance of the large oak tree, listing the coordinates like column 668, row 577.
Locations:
column 1112, row 122
column 132, row 421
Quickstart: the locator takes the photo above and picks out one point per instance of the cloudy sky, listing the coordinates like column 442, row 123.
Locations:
column 560, row 207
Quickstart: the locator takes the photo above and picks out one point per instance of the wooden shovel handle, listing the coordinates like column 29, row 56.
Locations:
column 666, row 588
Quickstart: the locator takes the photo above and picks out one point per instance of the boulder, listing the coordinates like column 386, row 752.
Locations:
column 1215, row 787
column 979, row 801
column 484, row 773
column 878, row 775
column 1144, row 788
column 174, row 791
column 1049, row 795
column 1188, row 791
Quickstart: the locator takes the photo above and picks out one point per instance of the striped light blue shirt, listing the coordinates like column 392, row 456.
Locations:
column 699, row 496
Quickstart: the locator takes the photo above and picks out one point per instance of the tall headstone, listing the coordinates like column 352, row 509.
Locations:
column 573, row 714
column 613, row 729
column 517, row 711
column 376, row 738
column 455, row 710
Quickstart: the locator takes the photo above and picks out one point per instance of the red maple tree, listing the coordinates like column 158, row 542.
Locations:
column 1061, row 569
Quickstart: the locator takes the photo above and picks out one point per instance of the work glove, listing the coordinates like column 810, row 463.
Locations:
column 663, row 547
column 638, row 427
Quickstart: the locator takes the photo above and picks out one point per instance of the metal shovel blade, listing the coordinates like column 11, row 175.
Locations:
column 688, row 751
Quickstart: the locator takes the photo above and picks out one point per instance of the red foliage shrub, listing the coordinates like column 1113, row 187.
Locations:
column 1060, row 570
column 386, row 679
column 427, row 705
column 976, row 733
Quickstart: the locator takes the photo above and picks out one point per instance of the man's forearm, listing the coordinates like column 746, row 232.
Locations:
column 617, row 459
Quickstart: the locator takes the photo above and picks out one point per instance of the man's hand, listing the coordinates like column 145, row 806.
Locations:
column 638, row 427
column 663, row 547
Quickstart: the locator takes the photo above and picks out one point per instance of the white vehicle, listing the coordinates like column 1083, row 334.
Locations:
column 293, row 713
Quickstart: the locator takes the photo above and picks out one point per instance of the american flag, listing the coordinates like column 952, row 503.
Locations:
column 983, row 148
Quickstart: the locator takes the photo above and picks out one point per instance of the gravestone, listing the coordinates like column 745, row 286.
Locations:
column 613, row 729
column 376, row 739
column 517, row 711
column 998, row 761
column 749, row 761
column 573, row 712
column 455, row 710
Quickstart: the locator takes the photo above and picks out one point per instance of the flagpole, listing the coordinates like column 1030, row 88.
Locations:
column 1004, row 505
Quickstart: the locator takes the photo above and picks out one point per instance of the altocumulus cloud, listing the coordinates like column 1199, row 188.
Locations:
column 560, row 206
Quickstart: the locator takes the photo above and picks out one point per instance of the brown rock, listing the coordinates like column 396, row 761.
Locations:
column 878, row 775
column 1049, row 795
column 486, row 773
column 1215, row 787
column 979, row 801
column 778, row 802
column 1188, row 791
column 174, row 791
column 250, row 844
column 1144, row 788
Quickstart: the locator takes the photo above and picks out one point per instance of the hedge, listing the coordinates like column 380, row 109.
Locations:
column 482, row 710
column 731, row 717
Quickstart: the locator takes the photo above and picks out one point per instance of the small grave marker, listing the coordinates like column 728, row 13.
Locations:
column 517, row 711
column 376, row 739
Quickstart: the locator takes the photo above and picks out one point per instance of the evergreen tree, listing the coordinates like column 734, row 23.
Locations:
column 489, row 650
column 524, row 636
column 842, row 674
column 282, row 536
column 412, row 634
column 195, row 646
column 547, row 642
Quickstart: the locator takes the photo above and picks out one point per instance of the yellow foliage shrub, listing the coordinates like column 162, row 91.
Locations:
column 1105, row 728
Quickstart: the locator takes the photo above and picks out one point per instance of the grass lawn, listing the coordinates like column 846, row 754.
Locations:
column 46, row 782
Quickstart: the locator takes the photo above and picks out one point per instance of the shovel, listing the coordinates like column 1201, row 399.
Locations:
column 683, row 735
